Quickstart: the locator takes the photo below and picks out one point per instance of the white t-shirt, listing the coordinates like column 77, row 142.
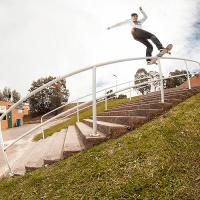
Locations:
column 137, row 24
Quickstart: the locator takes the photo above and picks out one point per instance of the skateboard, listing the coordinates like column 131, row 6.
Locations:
column 160, row 54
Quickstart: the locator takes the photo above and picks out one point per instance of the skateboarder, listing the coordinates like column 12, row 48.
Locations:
column 141, row 35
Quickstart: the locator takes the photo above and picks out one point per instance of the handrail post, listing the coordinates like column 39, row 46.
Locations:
column 4, row 153
column 94, row 108
column 78, row 118
column 130, row 91
column 161, row 81
column 106, row 101
column 43, row 137
column 188, row 75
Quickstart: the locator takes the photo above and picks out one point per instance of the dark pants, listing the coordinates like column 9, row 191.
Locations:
column 143, row 37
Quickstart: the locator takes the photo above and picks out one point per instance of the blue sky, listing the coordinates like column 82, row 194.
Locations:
column 48, row 37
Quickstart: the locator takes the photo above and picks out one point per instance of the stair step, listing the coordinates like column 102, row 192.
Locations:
column 111, row 130
column 137, row 105
column 73, row 143
column 169, row 92
column 182, row 93
column 175, row 96
column 55, row 151
column 158, row 99
column 130, row 121
column 162, row 106
column 137, row 112
column 87, row 137
column 37, row 155
column 18, row 166
column 153, row 100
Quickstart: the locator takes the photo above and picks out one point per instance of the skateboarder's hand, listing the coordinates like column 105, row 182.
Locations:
column 140, row 8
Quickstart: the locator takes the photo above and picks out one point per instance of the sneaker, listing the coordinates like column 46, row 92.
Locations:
column 161, row 50
column 149, row 62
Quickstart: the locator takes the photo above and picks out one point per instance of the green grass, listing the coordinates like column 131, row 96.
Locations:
column 83, row 115
column 159, row 161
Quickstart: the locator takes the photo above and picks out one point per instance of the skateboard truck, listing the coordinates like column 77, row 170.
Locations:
column 160, row 54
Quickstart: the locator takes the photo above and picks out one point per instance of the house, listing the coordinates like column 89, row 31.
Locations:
column 195, row 81
column 14, row 118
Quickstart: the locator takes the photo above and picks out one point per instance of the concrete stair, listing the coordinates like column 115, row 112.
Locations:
column 36, row 159
column 149, row 104
column 55, row 152
column 43, row 152
column 18, row 166
column 112, row 123
column 110, row 130
column 73, row 143
column 130, row 121
column 87, row 137
column 147, row 112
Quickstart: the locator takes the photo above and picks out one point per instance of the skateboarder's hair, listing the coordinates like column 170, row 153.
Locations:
column 134, row 14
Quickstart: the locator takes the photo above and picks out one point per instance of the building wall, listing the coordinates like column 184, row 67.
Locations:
column 16, row 114
column 4, row 124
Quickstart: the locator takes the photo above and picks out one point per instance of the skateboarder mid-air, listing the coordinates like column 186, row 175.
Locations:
column 141, row 35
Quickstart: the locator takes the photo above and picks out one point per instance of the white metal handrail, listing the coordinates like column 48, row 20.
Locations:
column 78, row 110
column 105, row 99
column 93, row 68
column 86, row 103
column 61, row 114
column 86, row 69
column 78, row 99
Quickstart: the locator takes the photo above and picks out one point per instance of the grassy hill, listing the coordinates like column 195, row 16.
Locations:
column 160, row 160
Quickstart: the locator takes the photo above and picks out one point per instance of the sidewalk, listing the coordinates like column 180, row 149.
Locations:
column 17, row 150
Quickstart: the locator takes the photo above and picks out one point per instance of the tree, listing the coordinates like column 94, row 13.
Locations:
column 142, row 76
column 122, row 96
column 7, row 94
column 49, row 98
column 16, row 96
column 1, row 96
column 154, row 75
column 176, row 81
column 111, row 96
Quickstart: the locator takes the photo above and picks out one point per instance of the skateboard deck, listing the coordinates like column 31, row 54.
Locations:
column 160, row 54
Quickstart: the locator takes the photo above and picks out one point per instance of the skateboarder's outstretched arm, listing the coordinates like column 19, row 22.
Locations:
column 119, row 24
column 144, row 15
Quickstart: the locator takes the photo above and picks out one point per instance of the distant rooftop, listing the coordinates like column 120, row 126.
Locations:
column 195, row 81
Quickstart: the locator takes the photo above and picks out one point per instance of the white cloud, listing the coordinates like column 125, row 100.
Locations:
column 48, row 37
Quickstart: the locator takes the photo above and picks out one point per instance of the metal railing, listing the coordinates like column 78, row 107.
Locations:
column 94, row 97
column 85, row 106
column 78, row 110
column 105, row 99
column 78, row 99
